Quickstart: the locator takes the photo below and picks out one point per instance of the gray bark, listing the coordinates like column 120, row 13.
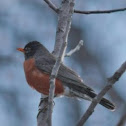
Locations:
column 64, row 24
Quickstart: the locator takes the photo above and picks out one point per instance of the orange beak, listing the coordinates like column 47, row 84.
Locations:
column 21, row 50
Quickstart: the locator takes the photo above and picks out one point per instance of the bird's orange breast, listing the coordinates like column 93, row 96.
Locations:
column 39, row 80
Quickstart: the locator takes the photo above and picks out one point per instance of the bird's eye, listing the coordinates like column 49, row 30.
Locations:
column 27, row 50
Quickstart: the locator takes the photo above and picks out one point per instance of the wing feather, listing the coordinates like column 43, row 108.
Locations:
column 65, row 74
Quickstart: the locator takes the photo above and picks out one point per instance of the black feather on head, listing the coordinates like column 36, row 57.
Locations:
column 31, row 48
column 33, row 45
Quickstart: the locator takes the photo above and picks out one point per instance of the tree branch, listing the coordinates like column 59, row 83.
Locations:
column 122, row 120
column 75, row 49
column 64, row 24
column 96, row 100
column 51, row 5
column 99, row 11
column 52, row 84
column 42, row 114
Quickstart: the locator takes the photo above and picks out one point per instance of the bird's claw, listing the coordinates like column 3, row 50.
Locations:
column 45, row 107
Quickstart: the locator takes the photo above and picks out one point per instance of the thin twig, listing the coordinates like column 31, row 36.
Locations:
column 75, row 49
column 97, row 99
column 99, row 11
column 64, row 25
column 51, row 5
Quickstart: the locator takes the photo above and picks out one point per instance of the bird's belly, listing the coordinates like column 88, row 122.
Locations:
column 40, row 81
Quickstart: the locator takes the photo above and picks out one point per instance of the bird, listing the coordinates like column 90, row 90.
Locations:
column 38, row 66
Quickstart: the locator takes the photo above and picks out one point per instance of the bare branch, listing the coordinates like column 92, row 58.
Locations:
column 99, row 11
column 52, row 84
column 97, row 99
column 51, row 5
column 75, row 49
column 64, row 24
column 63, row 28
column 122, row 120
column 41, row 117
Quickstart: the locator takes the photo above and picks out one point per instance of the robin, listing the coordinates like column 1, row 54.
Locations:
column 38, row 65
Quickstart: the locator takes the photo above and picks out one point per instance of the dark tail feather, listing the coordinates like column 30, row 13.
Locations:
column 106, row 103
column 79, row 91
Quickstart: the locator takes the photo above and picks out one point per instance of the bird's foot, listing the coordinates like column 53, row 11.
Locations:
column 43, row 108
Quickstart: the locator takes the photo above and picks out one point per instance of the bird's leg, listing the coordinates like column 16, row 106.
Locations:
column 43, row 109
column 53, row 101
column 43, row 100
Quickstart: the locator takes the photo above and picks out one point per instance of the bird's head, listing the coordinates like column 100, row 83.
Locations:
column 30, row 49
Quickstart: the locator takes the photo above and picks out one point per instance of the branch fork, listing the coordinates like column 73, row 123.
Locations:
column 77, row 48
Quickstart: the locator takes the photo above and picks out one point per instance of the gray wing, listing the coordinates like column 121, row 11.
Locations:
column 66, row 75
